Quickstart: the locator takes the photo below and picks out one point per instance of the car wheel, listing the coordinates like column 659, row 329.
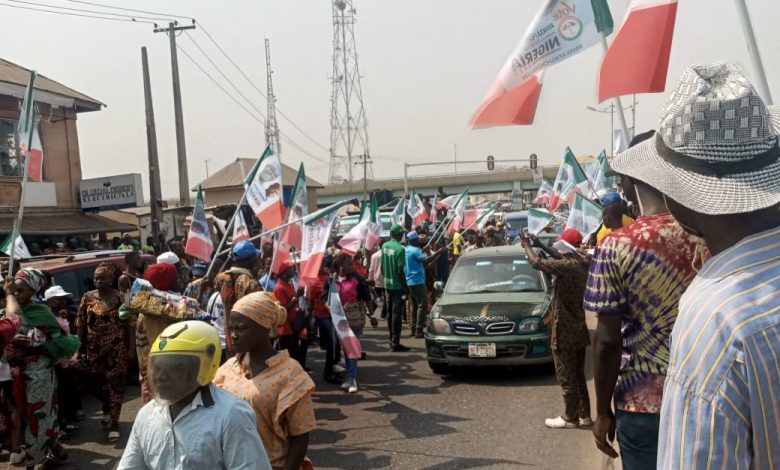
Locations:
column 439, row 369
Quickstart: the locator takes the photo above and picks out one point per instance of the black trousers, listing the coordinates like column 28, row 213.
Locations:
column 395, row 312
column 295, row 346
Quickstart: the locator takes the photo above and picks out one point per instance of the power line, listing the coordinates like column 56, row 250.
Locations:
column 226, row 77
column 101, row 5
column 57, row 12
column 81, row 10
column 241, row 105
column 249, row 80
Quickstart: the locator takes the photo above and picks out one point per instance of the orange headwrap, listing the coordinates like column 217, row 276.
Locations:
column 261, row 307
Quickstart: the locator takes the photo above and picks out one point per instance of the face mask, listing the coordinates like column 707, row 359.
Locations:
column 688, row 229
column 639, row 201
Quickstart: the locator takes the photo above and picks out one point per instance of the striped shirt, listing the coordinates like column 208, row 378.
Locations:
column 721, row 403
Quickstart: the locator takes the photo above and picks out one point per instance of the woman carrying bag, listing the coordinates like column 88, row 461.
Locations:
column 355, row 296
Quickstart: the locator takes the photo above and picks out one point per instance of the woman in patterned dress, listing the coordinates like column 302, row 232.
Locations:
column 105, row 339
column 274, row 384
column 39, row 343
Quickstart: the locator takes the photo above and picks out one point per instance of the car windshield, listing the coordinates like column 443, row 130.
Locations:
column 517, row 222
column 346, row 224
column 495, row 274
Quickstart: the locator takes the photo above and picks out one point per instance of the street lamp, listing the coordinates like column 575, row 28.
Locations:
column 611, row 111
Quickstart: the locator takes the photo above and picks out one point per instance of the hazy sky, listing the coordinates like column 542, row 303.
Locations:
column 426, row 66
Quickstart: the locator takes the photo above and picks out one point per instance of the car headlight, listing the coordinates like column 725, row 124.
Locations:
column 439, row 326
column 529, row 325
column 435, row 312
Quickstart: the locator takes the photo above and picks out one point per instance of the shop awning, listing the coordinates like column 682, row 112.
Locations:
column 61, row 223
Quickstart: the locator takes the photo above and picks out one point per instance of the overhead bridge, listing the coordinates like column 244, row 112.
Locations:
column 487, row 182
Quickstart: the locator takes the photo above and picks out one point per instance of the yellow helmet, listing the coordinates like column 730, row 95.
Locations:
column 191, row 338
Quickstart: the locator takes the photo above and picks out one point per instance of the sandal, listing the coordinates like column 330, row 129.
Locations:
column 113, row 435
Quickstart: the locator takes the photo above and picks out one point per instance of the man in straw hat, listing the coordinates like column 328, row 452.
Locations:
column 716, row 161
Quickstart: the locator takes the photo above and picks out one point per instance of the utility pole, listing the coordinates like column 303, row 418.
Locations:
column 206, row 161
column 155, row 196
column 365, row 160
column 271, row 125
column 181, row 149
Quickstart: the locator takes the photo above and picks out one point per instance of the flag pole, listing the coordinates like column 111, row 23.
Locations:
column 17, row 228
column 755, row 55
column 618, row 103
column 228, row 228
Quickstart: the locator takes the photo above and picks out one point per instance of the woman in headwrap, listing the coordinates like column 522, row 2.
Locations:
column 273, row 383
column 39, row 343
column 105, row 340
column 163, row 277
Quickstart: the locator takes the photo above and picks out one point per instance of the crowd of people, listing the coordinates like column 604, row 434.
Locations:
column 683, row 284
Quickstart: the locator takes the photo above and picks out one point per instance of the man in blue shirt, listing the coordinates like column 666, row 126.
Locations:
column 414, row 269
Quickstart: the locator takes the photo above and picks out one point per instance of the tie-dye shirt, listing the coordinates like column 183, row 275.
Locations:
column 640, row 272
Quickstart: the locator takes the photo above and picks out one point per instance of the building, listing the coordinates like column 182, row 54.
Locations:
column 226, row 186
column 52, row 206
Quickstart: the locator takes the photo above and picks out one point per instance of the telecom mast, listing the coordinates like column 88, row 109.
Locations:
column 348, row 135
column 271, row 126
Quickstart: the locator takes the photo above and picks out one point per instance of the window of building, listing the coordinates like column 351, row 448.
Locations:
column 9, row 155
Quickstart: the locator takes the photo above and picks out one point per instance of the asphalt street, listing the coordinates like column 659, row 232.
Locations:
column 406, row 417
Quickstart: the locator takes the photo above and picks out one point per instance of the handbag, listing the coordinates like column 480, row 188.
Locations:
column 356, row 315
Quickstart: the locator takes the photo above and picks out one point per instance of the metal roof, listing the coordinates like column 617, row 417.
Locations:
column 14, row 79
column 232, row 176
column 71, row 223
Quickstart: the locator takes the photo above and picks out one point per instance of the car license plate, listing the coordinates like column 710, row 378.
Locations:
column 482, row 349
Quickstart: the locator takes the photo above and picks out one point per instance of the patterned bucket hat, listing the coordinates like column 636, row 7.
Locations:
column 716, row 150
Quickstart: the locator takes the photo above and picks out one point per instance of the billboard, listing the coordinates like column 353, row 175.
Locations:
column 111, row 192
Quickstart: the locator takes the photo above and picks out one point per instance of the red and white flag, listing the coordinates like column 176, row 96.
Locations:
column 374, row 229
column 434, row 206
column 199, row 243
column 448, row 202
column 637, row 60
column 281, row 255
column 571, row 180
column 356, row 237
column 316, row 233
column 35, row 168
column 264, row 190
column 459, row 212
column 417, row 210
column 240, row 229
column 349, row 342
column 544, row 193
column 560, row 30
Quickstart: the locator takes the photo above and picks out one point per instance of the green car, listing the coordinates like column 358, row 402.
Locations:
column 493, row 311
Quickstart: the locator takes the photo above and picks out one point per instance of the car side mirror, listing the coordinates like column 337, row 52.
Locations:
column 438, row 285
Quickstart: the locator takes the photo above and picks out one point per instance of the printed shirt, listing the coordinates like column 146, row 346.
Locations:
column 639, row 272
column 284, row 291
column 217, row 431
column 393, row 259
column 414, row 267
column 569, row 329
column 721, row 406
column 280, row 396
column 457, row 242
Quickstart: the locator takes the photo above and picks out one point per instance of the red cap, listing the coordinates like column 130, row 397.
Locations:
column 287, row 264
column 572, row 236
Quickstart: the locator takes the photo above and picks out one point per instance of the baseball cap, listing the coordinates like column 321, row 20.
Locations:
column 396, row 229
column 55, row 291
column 610, row 198
column 244, row 249
column 199, row 268
column 412, row 235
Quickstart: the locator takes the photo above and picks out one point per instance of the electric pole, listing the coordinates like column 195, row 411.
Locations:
column 365, row 160
column 181, row 149
column 155, row 196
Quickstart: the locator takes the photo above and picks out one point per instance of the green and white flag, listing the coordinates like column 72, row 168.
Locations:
column 482, row 220
column 602, row 183
column 538, row 219
column 20, row 248
column 585, row 215
column 459, row 212
column 571, row 180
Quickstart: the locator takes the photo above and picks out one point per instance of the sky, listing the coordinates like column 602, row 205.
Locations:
column 425, row 67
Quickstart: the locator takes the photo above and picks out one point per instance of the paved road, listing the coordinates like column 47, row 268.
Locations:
column 406, row 417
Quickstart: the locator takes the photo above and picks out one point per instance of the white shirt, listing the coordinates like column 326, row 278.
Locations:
column 217, row 431
column 375, row 270
column 216, row 309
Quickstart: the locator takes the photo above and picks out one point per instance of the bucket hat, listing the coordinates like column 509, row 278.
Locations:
column 716, row 150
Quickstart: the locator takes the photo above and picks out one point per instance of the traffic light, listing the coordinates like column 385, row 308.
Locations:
column 491, row 163
column 534, row 161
